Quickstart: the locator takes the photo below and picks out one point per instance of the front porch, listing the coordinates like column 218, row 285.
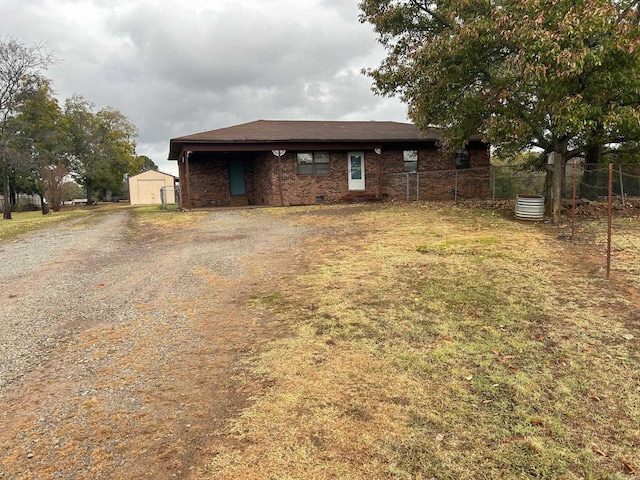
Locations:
column 228, row 179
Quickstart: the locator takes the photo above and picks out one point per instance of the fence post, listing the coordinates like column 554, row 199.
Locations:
column 622, row 186
column 573, row 208
column 493, row 194
column 455, row 195
column 408, row 186
column 609, row 219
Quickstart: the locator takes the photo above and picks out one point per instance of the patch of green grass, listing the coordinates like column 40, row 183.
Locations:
column 163, row 218
column 24, row 222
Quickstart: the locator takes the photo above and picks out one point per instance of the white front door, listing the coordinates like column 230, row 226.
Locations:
column 356, row 170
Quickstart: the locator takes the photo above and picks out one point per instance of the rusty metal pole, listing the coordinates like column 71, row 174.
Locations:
column 609, row 220
column 573, row 208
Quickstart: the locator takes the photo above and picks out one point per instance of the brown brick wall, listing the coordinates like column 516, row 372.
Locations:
column 436, row 178
column 332, row 187
column 384, row 178
column 209, row 182
column 266, row 186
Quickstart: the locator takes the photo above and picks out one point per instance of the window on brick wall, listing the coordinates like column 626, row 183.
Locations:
column 313, row 163
column 410, row 161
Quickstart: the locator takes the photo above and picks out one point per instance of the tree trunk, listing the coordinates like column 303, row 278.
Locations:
column 548, row 193
column 43, row 205
column 6, row 193
column 89, row 188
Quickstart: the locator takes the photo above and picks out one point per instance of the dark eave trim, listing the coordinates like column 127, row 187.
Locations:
column 176, row 153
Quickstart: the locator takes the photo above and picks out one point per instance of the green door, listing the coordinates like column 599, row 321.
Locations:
column 236, row 178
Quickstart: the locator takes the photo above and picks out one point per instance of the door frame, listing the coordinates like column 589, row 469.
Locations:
column 358, row 183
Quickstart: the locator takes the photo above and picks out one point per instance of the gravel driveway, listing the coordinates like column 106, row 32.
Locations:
column 120, row 342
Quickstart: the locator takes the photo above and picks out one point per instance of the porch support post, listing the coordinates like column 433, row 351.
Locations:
column 279, row 154
column 379, row 152
column 280, row 180
column 188, row 179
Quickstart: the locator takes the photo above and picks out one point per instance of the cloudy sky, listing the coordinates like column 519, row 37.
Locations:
column 181, row 67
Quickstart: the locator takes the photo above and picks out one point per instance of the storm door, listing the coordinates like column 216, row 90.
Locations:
column 356, row 170
column 236, row 177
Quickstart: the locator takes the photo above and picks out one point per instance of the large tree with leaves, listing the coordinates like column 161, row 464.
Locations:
column 41, row 139
column 20, row 73
column 558, row 75
column 101, row 146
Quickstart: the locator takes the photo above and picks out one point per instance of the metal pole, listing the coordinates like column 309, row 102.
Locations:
column 187, row 175
column 609, row 225
column 622, row 187
column 573, row 209
column 280, row 178
column 493, row 170
column 408, row 186
column 417, row 186
column 455, row 194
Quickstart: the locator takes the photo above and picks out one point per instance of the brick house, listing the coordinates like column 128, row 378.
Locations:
column 307, row 162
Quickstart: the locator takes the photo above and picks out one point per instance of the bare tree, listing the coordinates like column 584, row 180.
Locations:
column 20, row 68
column 54, row 178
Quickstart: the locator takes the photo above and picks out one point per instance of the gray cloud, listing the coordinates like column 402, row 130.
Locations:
column 176, row 68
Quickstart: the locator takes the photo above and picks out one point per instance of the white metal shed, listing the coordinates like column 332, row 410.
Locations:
column 144, row 188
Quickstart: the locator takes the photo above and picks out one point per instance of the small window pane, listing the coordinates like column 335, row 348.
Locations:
column 321, row 157
column 321, row 163
column 305, row 164
column 410, row 161
column 356, row 167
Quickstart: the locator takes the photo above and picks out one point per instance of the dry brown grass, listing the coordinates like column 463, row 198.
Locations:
column 444, row 342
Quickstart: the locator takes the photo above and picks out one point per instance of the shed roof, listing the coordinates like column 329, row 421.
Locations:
column 301, row 131
column 146, row 173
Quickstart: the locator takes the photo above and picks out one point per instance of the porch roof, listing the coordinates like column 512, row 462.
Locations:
column 271, row 133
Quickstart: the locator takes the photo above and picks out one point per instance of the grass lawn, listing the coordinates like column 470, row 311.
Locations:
column 25, row 222
column 436, row 341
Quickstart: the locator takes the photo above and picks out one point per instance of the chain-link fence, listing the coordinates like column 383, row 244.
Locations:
column 458, row 184
column 24, row 202
column 591, row 181
column 509, row 181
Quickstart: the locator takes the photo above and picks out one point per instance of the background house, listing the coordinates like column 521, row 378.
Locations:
column 145, row 187
column 305, row 162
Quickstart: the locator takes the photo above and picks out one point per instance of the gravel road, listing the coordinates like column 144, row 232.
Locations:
column 119, row 341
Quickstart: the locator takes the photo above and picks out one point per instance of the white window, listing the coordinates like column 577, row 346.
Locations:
column 410, row 161
column 313, row 163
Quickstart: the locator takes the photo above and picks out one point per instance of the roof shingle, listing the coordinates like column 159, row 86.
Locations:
column 300, row 131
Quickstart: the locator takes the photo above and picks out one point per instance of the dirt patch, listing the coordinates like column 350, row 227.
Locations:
column 138, row 351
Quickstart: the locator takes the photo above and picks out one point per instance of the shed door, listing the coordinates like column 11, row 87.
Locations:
column 236, row 178
column 356, row 170
column 149, row 191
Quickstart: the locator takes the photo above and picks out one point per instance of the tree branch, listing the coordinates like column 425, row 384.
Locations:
column 422, row 5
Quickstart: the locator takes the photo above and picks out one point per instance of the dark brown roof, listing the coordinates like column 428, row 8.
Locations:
column 291, row 131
